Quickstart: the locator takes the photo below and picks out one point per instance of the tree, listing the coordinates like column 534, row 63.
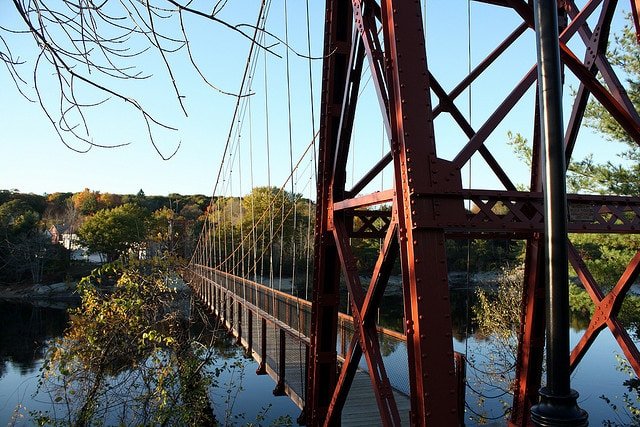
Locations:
column 273, row 221
column 86, row 201
column 17, row 217
column 24, row 248
column 108, row 200
column 173, row 232
column 609, row 177
column 161, row 230
column 115, row 232
column 57, row 210
column 132, row 350
column 497, row 313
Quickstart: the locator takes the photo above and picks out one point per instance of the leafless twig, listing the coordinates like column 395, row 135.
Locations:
column 97, row 48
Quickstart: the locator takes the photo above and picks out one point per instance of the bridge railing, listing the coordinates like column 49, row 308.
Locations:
column 274, row 328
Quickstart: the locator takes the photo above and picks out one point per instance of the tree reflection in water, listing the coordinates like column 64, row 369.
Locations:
column 131, row 354
column 25, row 333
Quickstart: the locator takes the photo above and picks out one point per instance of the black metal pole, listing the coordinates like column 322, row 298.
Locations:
column 558, row 402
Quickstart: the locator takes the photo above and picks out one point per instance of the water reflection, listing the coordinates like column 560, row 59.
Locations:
column 25, row 332
column 28, row 331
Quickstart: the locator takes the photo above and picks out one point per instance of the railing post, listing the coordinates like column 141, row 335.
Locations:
column 239, row 339
column 461, row 377
column 212, row 296
column 230, row 305
column 343, row 338
column 205, row 292
column 262, row 367
column 223, row 297
column 212, row 293
column 216, row 299
column 287, row 313
column 200, row 291
column 249, row 332
column 279, row 390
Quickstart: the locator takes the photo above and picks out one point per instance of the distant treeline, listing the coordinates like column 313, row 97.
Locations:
column 110, row 224
column 53, row 206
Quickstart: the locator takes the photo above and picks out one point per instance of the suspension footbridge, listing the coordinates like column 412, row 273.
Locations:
column 352, row 210
column 274, row 328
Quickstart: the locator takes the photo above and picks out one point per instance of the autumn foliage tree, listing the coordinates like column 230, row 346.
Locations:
column 86, row 202
column 129, row 356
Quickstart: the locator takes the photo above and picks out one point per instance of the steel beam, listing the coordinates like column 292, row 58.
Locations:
column 433, row 391
column 428, row 197
column 322, row 369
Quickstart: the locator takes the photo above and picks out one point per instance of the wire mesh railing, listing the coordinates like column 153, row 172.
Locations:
column 274, row 327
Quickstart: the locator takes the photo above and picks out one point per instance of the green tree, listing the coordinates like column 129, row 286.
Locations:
column 274, row 222
column 173, row 233
column 161, row 228
column 131, row 350
column 17, row 217
column 25, row 250
column 115, row 232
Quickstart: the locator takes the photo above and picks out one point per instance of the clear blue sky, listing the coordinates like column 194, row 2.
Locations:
column 34, row 160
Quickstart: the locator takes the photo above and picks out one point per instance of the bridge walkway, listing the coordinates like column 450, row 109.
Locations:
column 273, row 328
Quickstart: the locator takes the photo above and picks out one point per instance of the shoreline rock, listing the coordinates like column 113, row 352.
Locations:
column 55, row 292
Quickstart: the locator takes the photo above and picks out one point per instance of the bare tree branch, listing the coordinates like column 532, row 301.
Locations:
column 94, row 45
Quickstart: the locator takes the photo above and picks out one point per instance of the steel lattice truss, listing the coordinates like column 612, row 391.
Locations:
column 428, row 205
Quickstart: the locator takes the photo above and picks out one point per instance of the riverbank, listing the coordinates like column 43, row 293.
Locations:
column 67, row 291
column 55, row 295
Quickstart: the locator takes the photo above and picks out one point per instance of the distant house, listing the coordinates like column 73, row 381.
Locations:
column 56, row 232
column 63, row 235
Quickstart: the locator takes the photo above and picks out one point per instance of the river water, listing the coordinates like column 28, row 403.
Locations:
column 240, row 398
column 243, row 397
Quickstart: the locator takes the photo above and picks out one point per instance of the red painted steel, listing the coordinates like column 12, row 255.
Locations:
column 606, row 310
column 433, row 391
column 428, row 203
column 365, row 338
column 635, row 11
column 322, row 369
